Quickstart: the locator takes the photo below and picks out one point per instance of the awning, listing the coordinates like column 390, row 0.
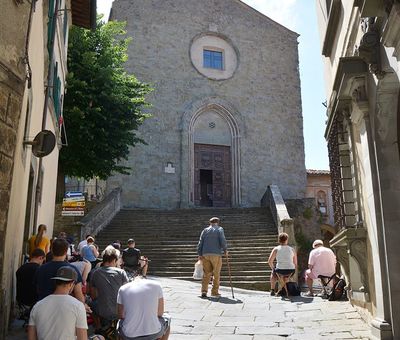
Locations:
column 84, row 13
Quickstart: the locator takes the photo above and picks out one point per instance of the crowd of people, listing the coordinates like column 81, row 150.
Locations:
column 63, row 289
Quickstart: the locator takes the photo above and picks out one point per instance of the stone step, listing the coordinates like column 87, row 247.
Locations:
column 169, row 238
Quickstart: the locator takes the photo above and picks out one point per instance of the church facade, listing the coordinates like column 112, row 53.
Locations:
column 226, row 116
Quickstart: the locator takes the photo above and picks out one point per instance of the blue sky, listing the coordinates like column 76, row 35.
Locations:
column 299, row 16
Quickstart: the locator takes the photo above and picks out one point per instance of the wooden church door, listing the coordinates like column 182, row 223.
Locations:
column 212, row 175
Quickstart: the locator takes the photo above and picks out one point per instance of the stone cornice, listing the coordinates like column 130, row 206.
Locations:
column 342, row 91
column 391, row 31
column 370, row 8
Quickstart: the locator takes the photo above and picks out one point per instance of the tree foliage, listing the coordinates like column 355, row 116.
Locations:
column 103, row 104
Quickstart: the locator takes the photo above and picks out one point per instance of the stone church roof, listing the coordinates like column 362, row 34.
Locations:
column 318, row 172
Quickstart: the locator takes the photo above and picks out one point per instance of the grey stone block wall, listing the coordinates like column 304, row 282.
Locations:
column 264, row 93
column 13, row 23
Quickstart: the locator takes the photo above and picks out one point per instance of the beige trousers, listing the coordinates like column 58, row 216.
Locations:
column 211, row 265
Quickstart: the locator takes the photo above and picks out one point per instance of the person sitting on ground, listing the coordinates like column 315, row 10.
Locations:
column 59, row 316
column 321, row 261
column 26, row 288
column 44, row 284
column 104, row 284
column 141, row 311
column 286, row 261
column 132, row 259
column 39, row 240
column 90, row 251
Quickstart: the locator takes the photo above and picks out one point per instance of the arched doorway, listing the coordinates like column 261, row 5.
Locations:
column 214, row 157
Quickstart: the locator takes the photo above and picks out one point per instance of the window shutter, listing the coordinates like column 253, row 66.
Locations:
column 65, row 24
column 50, row 26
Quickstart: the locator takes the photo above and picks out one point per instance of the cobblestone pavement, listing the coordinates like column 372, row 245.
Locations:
column 253, row 315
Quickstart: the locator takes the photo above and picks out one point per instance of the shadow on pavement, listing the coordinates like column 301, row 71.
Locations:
column 303, row 299
column 227, row 301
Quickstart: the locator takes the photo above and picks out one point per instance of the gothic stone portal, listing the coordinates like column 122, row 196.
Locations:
column 212, row 175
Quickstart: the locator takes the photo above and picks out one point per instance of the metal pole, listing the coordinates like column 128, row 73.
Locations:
column 229, row 273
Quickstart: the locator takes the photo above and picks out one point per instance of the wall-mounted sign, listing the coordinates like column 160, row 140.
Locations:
column 73, row 204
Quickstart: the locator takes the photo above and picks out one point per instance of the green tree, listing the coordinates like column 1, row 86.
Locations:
column 103, row 104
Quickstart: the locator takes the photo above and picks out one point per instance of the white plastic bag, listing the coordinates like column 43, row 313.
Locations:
column 198, row 270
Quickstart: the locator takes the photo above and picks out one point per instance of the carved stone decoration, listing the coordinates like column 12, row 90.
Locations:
column 369, row 48
column 358, row 249
column 388, row 5
column 343, row 259
column 360, row 94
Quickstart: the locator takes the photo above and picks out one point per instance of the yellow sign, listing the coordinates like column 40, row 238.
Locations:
column 74, row 204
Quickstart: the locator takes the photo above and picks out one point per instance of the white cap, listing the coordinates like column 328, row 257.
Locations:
column 317, row 243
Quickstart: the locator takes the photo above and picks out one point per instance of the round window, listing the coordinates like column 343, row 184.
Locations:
column 213, row 56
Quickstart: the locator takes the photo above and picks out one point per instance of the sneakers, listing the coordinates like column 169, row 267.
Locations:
column 218, row 295
column 310, row 294
column 203, row 295
column 272, row 292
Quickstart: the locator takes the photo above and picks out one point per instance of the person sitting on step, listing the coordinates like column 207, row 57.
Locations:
column 286, row 261
column 132, row 259
column 321, row 261
column 105, row 282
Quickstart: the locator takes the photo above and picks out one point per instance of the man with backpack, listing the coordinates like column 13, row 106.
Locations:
column 133, row 260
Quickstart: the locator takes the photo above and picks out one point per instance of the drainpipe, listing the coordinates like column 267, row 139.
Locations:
column 45, row 108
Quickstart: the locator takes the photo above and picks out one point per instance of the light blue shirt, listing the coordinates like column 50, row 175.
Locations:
column 87, row 253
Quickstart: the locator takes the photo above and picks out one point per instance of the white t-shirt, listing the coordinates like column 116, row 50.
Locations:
column 81, row 245
column 57, row 317
column 284, row 257
column 140, row 300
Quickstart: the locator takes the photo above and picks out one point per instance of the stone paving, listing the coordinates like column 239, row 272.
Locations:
column 253, row 315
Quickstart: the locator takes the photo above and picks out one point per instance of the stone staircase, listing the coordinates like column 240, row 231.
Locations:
column 169, row 239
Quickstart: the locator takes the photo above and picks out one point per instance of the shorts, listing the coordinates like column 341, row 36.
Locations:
column 311, row 275
column 165, row 322
column 284, row 272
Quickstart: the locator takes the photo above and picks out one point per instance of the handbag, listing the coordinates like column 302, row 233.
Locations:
column 198, row 270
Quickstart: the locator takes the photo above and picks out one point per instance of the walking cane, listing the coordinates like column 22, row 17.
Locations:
column 229, row 272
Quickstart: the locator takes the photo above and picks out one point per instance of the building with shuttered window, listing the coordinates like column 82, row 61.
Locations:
column 33, row 67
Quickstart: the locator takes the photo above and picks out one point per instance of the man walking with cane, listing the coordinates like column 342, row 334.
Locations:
column 211, row 245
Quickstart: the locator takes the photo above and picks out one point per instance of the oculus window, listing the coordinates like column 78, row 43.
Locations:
column 212, row 59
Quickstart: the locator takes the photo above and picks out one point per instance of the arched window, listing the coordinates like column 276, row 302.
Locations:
column 321, row 202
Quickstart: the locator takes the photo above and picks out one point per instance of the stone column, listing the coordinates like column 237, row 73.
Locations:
column 361, row 118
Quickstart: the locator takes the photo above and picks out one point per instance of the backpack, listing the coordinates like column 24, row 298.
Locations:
column 293, row 288
column 337, row 290
column 131, row 257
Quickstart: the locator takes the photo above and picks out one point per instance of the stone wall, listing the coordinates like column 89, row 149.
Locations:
column 307, row 226
column 262, row 98
column 13, row 20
